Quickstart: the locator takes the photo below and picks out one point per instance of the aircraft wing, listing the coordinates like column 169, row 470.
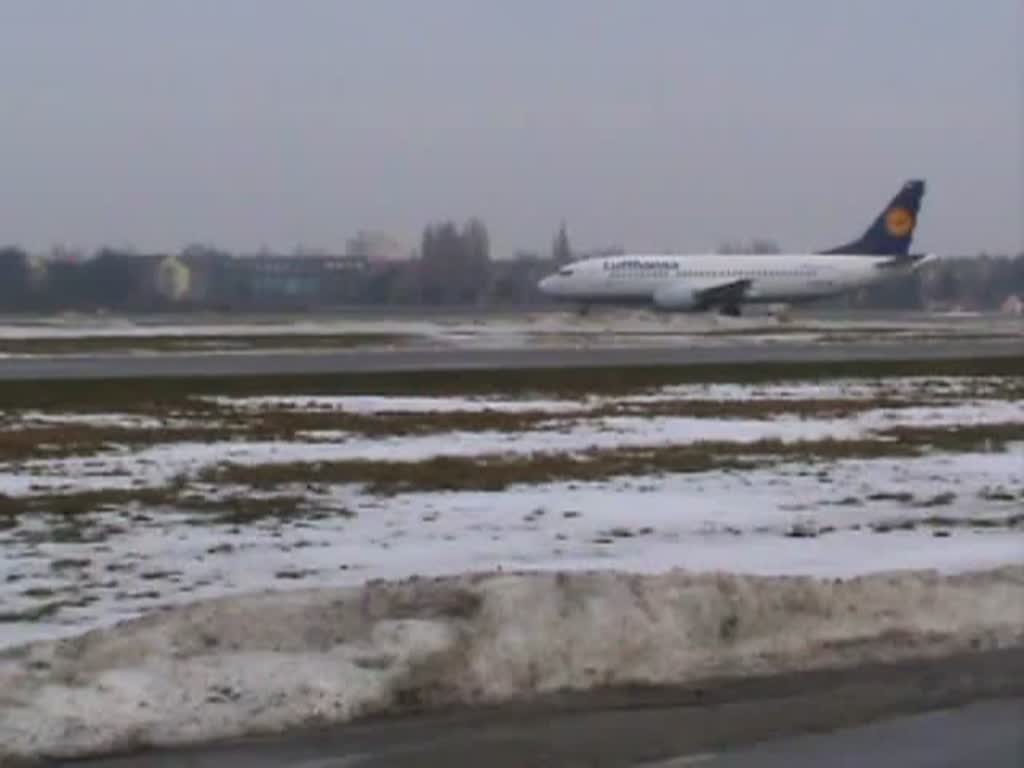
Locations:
column 724, row 294
column 909, row 260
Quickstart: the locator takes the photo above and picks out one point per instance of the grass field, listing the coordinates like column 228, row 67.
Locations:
column 144, row 394
column 119, row 497
column 90, row 345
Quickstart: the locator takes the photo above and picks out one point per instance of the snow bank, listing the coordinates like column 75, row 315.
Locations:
column 268, row 662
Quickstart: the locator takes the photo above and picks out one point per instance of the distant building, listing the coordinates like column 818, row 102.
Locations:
column 172, row 279
column 210, row 276
column 297, row 280
column 37, row 268
column 376, row 247
column 1013, row 305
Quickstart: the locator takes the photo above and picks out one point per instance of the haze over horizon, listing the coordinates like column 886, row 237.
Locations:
column 655, row 125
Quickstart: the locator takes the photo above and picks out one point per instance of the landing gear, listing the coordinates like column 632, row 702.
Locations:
column 583, row 310
column 732, row 310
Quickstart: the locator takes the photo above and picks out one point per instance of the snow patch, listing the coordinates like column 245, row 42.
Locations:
column 123, row 420
column 838, row 389
column 833, row 389
column 264, row 663
column 374, row 404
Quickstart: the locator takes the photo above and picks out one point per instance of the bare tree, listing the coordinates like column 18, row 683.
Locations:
column 758, row 245
column 561, row 249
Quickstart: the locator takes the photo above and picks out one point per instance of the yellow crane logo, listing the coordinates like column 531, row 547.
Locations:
column 899, row 222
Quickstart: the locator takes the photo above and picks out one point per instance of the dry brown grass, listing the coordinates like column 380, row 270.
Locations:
column 1005, row 521
column 54, row 441
column 768, row 408
column 497, row 472
column 34, row 613
column 960, row 438
column 204, row 421
column 73, row 511
column 287, row 423
column 947, row 523
column 129, row 394
column 485, row 473
column 194, row 343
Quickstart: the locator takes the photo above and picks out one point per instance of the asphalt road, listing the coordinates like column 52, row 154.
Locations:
column 983, row 735
column 987, row 734
column 109, row 366
column 951, row 713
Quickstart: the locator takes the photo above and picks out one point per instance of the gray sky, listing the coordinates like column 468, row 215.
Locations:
column 651, row 124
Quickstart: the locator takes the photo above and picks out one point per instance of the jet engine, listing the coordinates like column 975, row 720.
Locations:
column 676, row 298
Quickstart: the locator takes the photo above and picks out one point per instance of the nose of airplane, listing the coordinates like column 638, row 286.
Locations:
column 547, row 285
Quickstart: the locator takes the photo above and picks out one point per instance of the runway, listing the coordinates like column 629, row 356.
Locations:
column 950, row 713
column 130, row 366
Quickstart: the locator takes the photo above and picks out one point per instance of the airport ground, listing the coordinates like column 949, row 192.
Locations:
column 301, row 363
column 971, row 704
column 347, row 343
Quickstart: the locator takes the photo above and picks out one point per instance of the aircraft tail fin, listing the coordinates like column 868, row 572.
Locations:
column 892, row 232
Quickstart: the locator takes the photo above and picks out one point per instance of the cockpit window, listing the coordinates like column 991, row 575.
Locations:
column 565, row 272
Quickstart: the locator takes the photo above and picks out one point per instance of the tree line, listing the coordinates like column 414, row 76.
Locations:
column 453, row 266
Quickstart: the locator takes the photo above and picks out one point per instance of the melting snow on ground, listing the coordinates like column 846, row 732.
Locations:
column 623, row 581
column 847, row 518
column 832, row 389
column 840, row 518
column 160, row 464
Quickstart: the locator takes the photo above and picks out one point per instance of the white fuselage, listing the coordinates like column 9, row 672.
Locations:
column 781, row 278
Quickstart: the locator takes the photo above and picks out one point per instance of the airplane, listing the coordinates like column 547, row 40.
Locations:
column 693, row 283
